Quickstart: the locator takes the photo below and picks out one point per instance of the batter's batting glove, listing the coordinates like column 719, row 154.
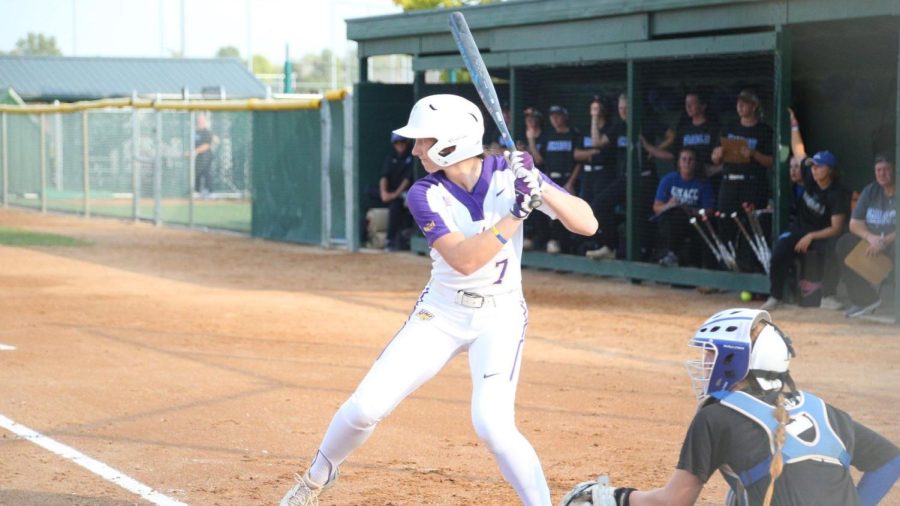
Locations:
column 528, row 182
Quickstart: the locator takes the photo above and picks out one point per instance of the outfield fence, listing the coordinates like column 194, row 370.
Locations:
column 213, row 164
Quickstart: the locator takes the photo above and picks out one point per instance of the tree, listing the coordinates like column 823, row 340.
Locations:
column 417, row 5
column 228, row 52
column 262, row 65
column 37, row 44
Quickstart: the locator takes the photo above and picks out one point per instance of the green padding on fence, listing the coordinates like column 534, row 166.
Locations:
column 380, row 108
column 336, row 171
column 287, row 200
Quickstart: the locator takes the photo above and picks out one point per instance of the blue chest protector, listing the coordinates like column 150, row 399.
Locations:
column 809, row 411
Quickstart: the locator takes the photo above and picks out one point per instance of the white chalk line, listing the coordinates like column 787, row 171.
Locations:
column 6, row 347
column 94, row 466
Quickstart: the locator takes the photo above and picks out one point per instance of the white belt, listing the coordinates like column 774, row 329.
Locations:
column 469, row 298
column 593, row 168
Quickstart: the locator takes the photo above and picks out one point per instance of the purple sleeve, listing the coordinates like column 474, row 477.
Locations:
column 427, row 219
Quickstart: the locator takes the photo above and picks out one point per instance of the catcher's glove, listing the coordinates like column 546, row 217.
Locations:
column 597, row 493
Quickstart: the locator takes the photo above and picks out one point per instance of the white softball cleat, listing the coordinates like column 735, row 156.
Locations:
column 304, row 492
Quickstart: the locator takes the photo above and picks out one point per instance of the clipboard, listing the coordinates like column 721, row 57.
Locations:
column 731, row 150
column 872, row 269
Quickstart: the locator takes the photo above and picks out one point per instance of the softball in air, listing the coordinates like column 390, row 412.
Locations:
column 746, row 296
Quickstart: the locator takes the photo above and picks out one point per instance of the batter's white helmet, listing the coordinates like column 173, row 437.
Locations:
column 737, row 356
column 455, row 122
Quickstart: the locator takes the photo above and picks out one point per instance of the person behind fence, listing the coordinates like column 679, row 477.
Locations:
column 203, row 156
column 695, row 131
column 679, row 195
column 470, row 208
column 534, row 142
column 820, row 219
column 874, row 223
column 558, row 157
column 598, row 153
column 535, row 136
column 610, row 203
column 396, row 178
column 745, row 151
column 772, row 442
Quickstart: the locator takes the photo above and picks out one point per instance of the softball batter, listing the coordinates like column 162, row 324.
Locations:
column 471, row 211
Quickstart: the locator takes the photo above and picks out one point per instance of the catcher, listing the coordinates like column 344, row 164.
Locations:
column 772, row 443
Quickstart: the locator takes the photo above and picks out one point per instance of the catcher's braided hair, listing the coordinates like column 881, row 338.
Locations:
column 781, row 415
column 777, row 465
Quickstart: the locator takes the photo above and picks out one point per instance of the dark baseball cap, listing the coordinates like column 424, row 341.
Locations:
column 558, row 109
column 531, row 111
column 397, row 138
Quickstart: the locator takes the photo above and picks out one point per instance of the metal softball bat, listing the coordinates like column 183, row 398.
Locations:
column 482, row 81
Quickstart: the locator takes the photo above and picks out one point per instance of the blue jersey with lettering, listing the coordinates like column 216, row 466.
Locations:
column 690, row 193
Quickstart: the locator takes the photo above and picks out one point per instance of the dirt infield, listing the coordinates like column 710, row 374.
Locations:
column 207, row 366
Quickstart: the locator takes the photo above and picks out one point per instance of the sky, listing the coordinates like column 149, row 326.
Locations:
column 152, row 28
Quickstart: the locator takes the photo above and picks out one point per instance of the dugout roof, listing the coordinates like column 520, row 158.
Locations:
column 67, row 79
column 539, row 32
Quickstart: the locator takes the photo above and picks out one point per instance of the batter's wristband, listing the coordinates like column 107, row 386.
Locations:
column 622, row 494
column 498, row 235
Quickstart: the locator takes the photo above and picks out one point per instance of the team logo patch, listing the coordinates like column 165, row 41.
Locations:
column 424, row 315
column 429, row 227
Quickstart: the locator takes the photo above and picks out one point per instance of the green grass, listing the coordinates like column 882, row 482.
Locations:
column 15, row 237
column 221, row 214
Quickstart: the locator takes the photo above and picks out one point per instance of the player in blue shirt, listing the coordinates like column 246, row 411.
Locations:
column 679, row 195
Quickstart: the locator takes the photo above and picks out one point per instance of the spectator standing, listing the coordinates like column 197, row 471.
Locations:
column 611, row 201
column 535, row 137
column 745, row 171
column 694, row 131
column 203, row 156
column 679, row 195
column 821, row 216
column 558, row 157
column 598, row 153
column 874, row 220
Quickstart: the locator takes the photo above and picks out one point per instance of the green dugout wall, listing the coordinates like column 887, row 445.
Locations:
column 834, row 61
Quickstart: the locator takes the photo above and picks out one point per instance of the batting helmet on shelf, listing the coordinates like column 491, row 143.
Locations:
column 456, row 124
column 731, row 354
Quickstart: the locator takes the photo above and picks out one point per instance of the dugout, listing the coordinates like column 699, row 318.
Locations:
column 834, row 61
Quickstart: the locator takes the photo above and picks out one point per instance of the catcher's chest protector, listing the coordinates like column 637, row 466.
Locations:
column 807, row 413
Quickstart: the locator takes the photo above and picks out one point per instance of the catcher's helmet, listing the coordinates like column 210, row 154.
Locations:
column 730, row 353
column 456, row 124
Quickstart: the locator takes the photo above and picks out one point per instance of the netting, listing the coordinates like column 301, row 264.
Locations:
column 715, row 112
column 138, row 165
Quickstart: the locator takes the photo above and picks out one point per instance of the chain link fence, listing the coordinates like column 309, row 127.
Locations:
column 176, row 164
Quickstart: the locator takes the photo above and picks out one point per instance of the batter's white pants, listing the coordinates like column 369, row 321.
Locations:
column 437, row 330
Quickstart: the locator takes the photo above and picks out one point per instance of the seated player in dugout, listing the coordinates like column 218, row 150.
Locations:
column 558, row 156
column 820, row 219
column 873, row 223
column 818, row 192
column 745, row 153
column 396, row 178
column 678, row 198
column 772, row 443
column 694, row 130
column 471, row 208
